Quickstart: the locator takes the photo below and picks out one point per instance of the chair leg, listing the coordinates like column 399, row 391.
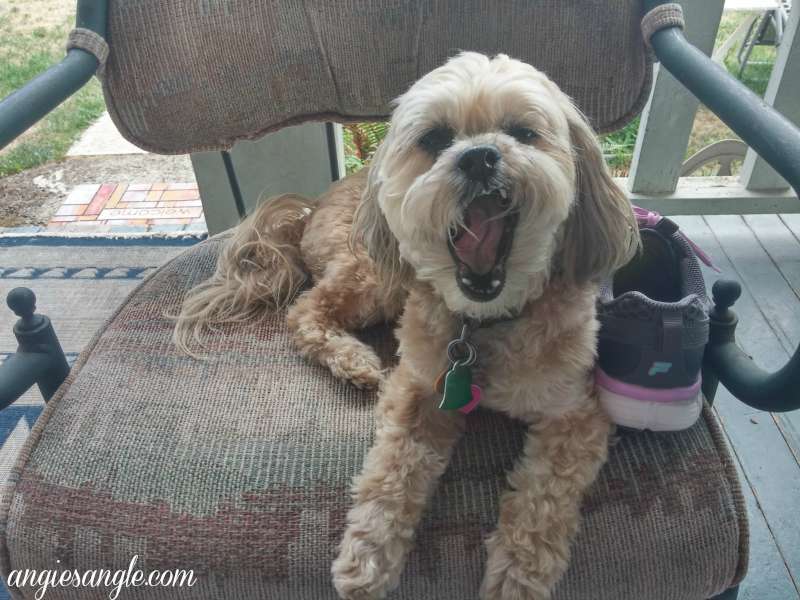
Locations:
column 752, row 41
column 729, row 594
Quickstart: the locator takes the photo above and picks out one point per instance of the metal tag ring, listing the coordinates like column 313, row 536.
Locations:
column 466, row 358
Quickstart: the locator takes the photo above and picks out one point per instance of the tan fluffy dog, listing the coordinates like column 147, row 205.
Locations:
column 489, row 203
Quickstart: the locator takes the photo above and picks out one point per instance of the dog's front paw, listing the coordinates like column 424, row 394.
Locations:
column 361, row 367
column 367, row 568
column 507, row 576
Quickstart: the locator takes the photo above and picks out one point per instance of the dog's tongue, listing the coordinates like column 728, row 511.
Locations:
column 479, row 251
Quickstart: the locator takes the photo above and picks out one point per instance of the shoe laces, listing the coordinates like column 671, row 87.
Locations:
column 649, row 218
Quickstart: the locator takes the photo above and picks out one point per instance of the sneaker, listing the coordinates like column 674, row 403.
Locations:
column 653, row 330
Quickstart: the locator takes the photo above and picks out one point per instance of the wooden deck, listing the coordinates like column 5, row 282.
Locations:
column 763, row 253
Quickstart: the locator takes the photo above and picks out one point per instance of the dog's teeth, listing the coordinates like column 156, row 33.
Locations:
column 466, row 281
column 495, row 283
column 503, row 194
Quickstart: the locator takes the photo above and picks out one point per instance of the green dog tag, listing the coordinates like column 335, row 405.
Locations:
column 457, row 388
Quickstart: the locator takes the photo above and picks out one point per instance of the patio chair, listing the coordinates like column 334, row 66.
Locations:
column 239, row 466
column 722, row 153
column 765, row 30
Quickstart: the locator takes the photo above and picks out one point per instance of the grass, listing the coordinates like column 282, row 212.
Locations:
column 25, row 53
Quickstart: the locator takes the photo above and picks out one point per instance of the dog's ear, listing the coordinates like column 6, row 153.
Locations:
column 600, row 234
column 371, row 229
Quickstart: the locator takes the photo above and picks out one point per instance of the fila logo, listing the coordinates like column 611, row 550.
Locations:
column 659, row 367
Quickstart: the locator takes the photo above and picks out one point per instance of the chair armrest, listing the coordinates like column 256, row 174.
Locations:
column 38, row 97
column 19, row 372
column 777, row 141
column 39, row 358
column 726, row 362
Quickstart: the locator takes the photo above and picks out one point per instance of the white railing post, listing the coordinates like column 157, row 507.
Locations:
column 783, row 92
column 667, row 119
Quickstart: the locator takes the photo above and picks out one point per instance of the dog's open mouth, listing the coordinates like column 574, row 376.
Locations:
column 481, row 246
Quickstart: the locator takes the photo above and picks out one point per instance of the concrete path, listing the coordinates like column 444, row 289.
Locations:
column 102, row 138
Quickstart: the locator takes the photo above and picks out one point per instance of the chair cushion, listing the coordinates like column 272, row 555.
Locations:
column 239, row 467
column 190, row 75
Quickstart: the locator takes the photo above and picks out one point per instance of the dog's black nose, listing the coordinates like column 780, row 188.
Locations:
column 479, row 163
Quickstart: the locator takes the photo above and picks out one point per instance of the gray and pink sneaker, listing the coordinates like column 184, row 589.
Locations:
column 653, row 331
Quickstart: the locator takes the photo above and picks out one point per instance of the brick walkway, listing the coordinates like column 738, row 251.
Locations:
column 133, row 207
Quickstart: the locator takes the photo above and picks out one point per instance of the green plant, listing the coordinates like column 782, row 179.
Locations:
column 618, row 146
column 360, row 142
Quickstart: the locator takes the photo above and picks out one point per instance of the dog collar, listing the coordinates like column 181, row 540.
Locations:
column 474, row 324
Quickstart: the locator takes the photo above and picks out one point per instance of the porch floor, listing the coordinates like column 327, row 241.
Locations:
column 80, row 286
column 762, row 252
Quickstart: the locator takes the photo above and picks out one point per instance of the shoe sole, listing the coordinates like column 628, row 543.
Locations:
column 649, row 414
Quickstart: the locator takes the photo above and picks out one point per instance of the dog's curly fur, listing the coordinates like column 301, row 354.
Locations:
column 376, row 247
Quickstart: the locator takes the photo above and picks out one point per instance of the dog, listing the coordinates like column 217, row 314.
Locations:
column 483, row 225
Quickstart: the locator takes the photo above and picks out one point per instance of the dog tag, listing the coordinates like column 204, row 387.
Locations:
column 473, row 404
column 457, row 388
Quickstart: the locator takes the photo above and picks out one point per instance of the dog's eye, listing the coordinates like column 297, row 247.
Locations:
column 522, row 134
column 436, row 140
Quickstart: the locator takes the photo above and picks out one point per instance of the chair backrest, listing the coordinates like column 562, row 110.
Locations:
column 191, row 75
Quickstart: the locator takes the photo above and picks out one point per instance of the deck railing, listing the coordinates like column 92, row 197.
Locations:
column 666, row 124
